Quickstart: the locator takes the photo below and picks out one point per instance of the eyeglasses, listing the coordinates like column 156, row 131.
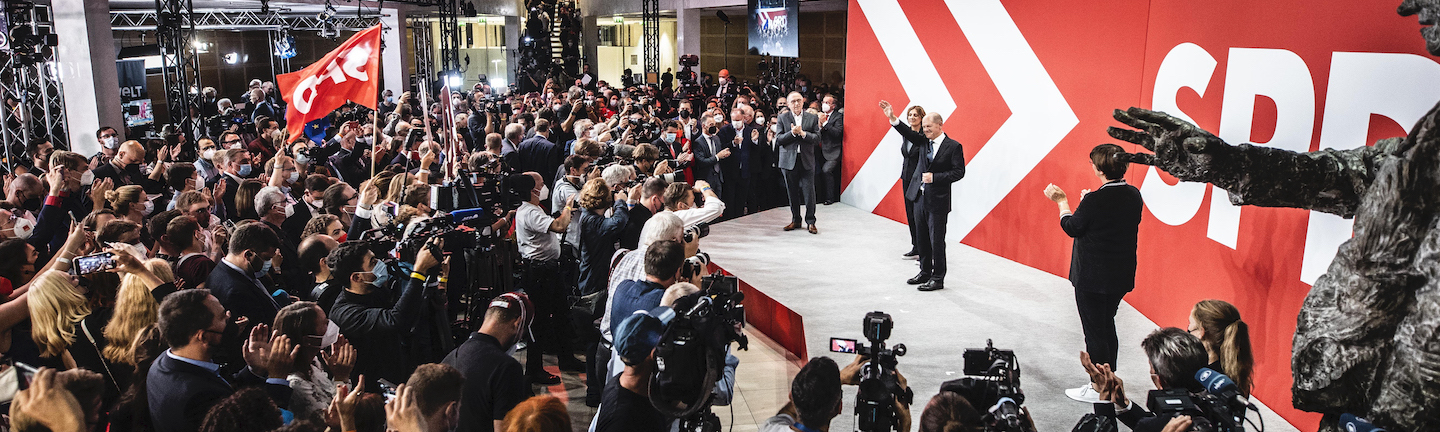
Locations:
column 232, row 142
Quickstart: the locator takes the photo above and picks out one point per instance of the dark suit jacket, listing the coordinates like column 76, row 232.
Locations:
column 912, row 160
column 831, row 134
column 180, row 393
column 947, row 166
column 241, row 296
column 707, row 165
column 790, row 146
column 1105, row 227
column 227, row 209
column 747, row 159
column 540, row 155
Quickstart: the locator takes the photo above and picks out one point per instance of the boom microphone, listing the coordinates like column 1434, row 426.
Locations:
column 1351, row 423
column 1220, row 385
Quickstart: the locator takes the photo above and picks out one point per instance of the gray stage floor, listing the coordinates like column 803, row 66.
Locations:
column 853, row 267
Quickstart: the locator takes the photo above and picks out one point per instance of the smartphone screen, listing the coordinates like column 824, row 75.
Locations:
column 94, row 263
column 842, row 345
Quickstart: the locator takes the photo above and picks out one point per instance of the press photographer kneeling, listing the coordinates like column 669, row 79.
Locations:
column 1182, row 402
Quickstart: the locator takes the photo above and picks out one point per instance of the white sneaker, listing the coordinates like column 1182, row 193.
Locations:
column 1084, row 393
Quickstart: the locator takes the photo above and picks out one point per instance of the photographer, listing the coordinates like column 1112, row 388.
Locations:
column 1175, row 356
column 494, row 382
column 376, row 325
column 680, row 200
column 625, row 404
column 535, row 230
column 815, row 397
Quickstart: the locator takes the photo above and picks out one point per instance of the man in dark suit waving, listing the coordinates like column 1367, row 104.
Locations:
column 800, row 135
column 940, row 162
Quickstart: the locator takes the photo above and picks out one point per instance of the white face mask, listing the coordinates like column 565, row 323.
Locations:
column 112, row 142
column 775, row 128
column 294, row 177
column 86, row 178
column 149, row 207
column 544, row 191
column 289, row 210
column 737, row 124
column 719, row 118
column 23, row 228
column 208, row 154
column 825, row 107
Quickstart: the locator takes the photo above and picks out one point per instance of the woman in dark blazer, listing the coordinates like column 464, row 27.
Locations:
column 1105, row 227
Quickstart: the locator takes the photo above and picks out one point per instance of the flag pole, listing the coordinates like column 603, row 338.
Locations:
column 375, row 135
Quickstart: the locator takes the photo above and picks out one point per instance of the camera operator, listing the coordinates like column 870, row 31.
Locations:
column 815, row 397
column 494, row 382
column 368, row 314
column 629, row 266
column 680, row 200
column 536, row 230
column 1175, row 355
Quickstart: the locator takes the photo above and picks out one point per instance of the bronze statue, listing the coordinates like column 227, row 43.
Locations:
column 1367, row 340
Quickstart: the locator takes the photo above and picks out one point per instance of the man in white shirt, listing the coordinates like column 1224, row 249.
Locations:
column 680, row 200
column 539, row 244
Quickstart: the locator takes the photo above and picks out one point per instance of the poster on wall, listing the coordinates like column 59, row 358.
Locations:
column 134, row 97
column 1030, row 87
column 774, row 27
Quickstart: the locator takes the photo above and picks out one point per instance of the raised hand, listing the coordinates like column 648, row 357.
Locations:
column 345, row 402
column 340, row 359
column 48, row 403
column 403, row 414
column 1181, row 148
column 887, row 109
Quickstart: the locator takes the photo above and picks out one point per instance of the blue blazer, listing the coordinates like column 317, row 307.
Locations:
column 180, row 393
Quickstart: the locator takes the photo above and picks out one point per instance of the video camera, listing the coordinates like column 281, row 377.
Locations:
column 992, row 383
column 1219, row 408
column 879, row 386
column 691, row 354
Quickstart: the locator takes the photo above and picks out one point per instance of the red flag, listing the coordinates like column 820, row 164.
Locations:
column 350, row 72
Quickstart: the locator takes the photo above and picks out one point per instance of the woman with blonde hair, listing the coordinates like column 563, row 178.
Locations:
column 1227, row 339
column 130, row 203
column 135, row 309
column 56, row 304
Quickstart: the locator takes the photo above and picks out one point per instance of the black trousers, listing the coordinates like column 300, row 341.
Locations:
column 1097, row 320
column 827, row 183
column 800, row 185
column 542, row 282
column 910, row 222
column 929, row 228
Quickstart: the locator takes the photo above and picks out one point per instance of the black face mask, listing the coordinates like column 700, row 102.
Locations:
column 31, row 204
column 685, row 113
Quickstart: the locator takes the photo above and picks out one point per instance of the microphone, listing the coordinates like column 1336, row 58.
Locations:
column 1351, row 423
column 1220, row 385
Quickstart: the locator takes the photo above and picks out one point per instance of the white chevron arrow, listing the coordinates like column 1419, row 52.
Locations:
column 922, row 85
column 1039, row 117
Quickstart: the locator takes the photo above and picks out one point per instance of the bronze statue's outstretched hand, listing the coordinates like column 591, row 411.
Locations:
column 1181, row 148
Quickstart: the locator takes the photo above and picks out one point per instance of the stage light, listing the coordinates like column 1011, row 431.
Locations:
column 497, row 83
column 454, row 81
column 232, row 58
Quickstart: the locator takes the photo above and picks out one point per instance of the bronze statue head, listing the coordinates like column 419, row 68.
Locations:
column 1429, row 12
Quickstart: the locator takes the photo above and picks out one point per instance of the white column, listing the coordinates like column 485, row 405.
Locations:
column 394, row 61
column 687, row 34
column 85, row 60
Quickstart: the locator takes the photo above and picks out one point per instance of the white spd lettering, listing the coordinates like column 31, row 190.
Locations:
column 354, row 64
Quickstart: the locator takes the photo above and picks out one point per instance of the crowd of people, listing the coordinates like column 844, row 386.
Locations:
column 243, row 278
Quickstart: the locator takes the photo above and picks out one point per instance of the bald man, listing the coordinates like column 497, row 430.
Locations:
column 124, row 168
column 941, row 161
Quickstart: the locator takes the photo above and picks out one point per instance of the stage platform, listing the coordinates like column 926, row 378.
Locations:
column 831, row 280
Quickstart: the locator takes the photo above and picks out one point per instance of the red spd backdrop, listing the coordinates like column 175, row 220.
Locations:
column 1028, row 87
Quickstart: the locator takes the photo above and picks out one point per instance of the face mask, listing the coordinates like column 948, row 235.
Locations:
column 141, row 252
column 208, row 154
column 669, row 138
column 775, row 128
column 149, row 207
column 294, row 177
column 556, row 107
column 264, row 269
column 343, row 237
column 719, row 118
column 825, row 107
column 544, row 191
column 23, row 228
column 685, row 113
column 244, row 170
column 737, row 124
column 302, row 160
column 112, row 142
column 289, row 210
column 87, row 178
column 390, row 99
column 32, row 204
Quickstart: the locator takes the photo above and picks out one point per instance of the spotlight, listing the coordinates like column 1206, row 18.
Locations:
column 454, row 81
column 232, row 58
